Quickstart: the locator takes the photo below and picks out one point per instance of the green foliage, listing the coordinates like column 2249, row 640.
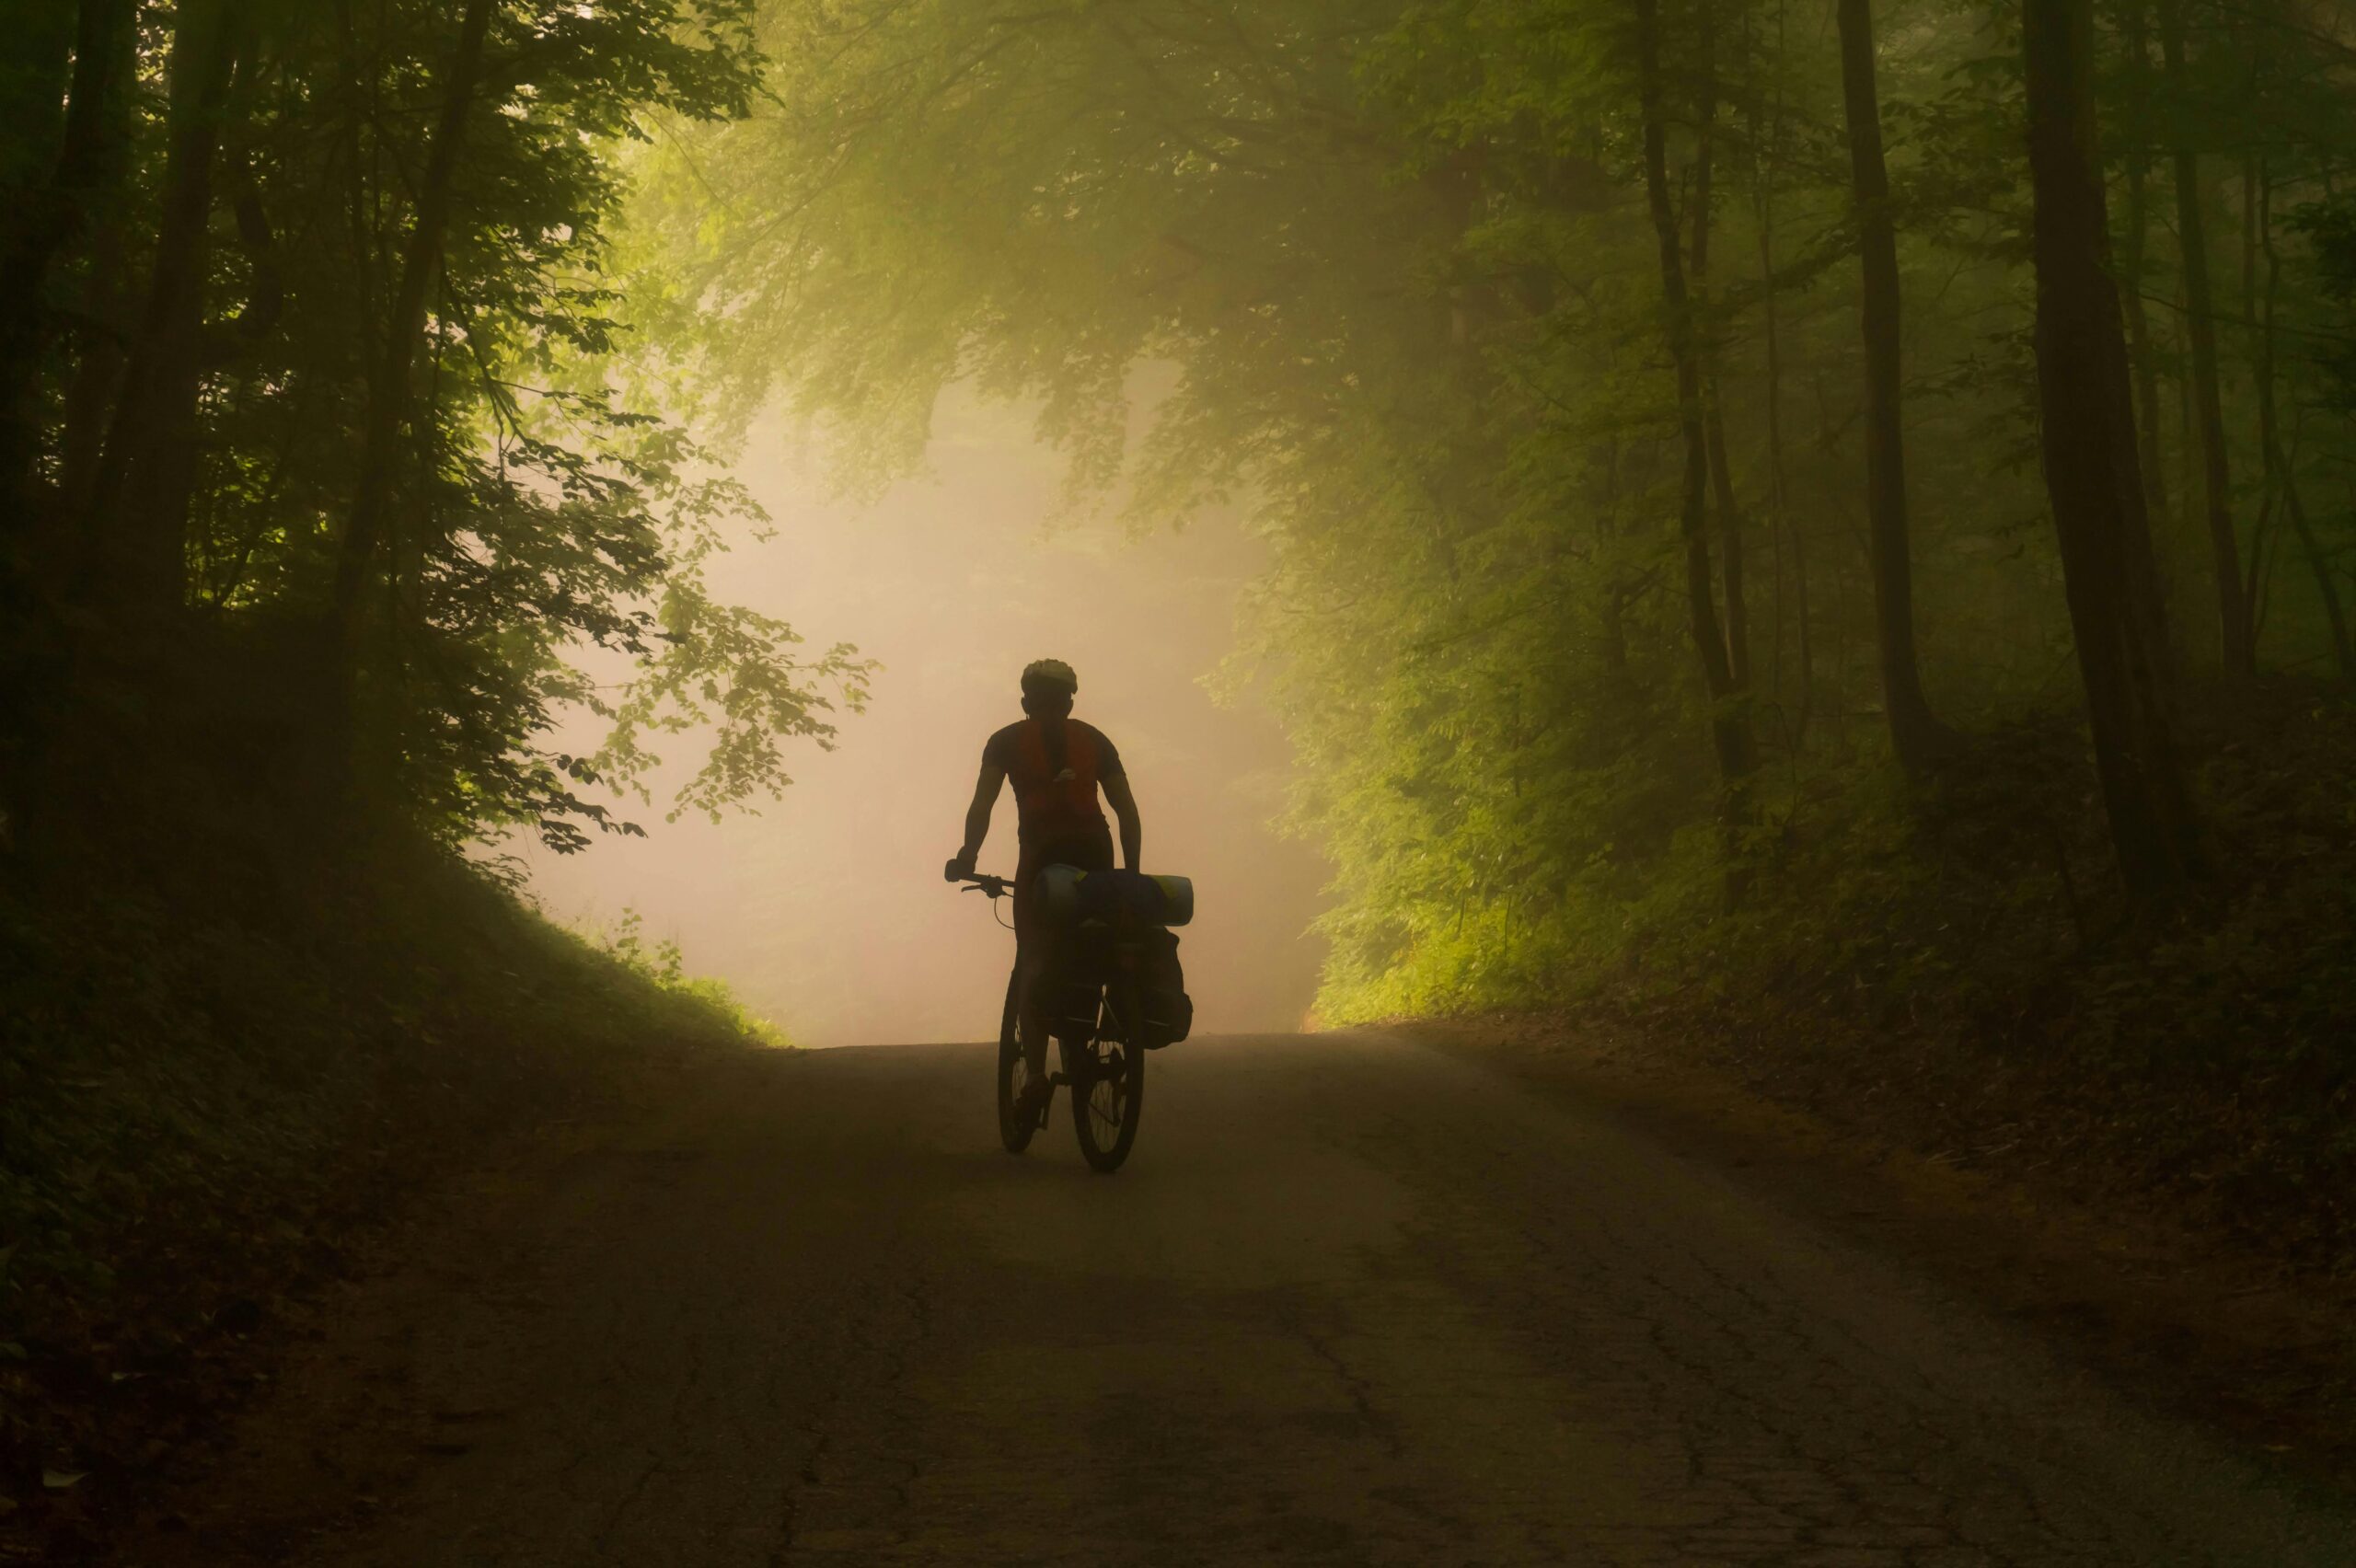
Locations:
column 666, row 966
column 1397, row 261
column 537, row 529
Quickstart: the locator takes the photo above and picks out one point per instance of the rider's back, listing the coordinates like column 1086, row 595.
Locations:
column 1054, row 765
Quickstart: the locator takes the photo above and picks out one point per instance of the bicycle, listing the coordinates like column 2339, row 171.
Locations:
column 1091, row 1018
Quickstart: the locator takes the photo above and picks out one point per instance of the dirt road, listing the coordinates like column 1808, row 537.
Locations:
column 1353, row 1302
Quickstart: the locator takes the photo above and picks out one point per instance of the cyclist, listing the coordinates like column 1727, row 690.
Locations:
column 1056, row 764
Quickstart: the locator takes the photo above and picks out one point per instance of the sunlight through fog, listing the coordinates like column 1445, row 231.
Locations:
column 827, row 912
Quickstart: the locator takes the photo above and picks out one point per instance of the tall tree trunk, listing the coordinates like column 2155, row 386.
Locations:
column 34, row 78
column 2260, row 339
column 2134, row 265
column 1714, row 431
column 2091, row 470
column 2343, row 650
column 140, row 501
column 1766, row 158
column 1805, row 635
column 1915, row 734
column 1778, row 519
column 393, row 356
column 2236, row 643
column 1731, row 530
column 100, row 356
column 2281, row 465
column 1603, row 461
column 1730, row 724
column 53, row 218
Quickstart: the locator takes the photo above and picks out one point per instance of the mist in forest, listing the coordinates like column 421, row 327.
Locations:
column 826, row 912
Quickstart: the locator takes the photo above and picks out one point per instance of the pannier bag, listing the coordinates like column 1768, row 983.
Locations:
column 1110, row 911
column 1068, row 1002
column 1119, row 899
column 1168, row 1011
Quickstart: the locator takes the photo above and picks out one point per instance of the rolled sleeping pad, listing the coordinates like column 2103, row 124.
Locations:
column 1067, row 895
column 1177, row 899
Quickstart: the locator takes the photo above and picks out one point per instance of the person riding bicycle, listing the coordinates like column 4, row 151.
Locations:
column 1057, row 765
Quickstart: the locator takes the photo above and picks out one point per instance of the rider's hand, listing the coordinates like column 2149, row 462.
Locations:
column 960, row 867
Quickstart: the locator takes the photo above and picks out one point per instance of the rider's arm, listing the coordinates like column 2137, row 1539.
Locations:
column 978, row 816
column 1125, row 808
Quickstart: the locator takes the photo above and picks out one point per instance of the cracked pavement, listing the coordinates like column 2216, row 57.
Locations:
column 1353, row 1302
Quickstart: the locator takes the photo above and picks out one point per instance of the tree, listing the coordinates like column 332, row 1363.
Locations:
column 2090, row 464
column 367, row 487
column 1915, row 736
column 392, row 349
column 1729, row 725
column 1427, row 291
column 2236, row 633
column 137, row 565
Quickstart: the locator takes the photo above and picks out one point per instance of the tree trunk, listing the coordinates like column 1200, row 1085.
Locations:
column 1730, row 529
column 2134, row 265
column 41, row 78
column 1730, row 724
column 52, row 219
column 1914, row 734
column 1713, row 429
column 140, row 503
column 1766, row 152
column 35, row 75
column 2234, row 642
column 99, row 355
column 389, row 373
column 2343, row 650
column 2091, row 469
column 2280, row 466
column 1777, row 520
column 2256, row 188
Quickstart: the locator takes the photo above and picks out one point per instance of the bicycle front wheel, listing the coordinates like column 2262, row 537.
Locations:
column 1107, row 1094
column 1014, row 1129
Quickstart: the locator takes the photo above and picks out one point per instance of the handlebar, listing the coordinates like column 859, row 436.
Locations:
column 978, row 882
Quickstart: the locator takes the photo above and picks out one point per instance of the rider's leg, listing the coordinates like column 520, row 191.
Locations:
column 1032, row 1022
column 1031, row 943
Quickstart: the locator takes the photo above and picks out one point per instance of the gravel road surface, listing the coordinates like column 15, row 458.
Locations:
column 1351, row 1302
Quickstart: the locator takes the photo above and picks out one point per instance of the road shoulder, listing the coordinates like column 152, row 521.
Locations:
column 2176, row 1321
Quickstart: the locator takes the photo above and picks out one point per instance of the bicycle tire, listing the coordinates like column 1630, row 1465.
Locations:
column 1013, row 1131
column 1105, row 1139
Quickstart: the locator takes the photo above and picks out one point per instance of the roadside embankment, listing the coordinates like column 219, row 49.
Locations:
column 2166, row 1305
column 214, row 1088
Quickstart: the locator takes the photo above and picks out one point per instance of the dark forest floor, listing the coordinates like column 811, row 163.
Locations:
column 1956, row 972
column 218, row 1086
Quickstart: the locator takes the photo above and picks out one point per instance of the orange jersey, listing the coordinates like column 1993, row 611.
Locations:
column 1054, row 766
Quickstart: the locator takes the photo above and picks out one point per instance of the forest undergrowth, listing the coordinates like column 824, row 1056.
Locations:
column 1953, row 970
column 245, row 1058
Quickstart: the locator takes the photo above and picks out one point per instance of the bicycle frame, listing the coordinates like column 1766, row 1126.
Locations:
column 1097, row 1059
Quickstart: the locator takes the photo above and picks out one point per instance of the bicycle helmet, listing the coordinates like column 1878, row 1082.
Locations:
column 1049, row 675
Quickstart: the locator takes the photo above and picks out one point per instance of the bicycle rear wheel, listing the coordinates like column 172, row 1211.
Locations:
column 1107, row 1094
column 1014, row 1130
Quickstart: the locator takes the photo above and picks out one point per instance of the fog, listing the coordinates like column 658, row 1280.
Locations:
column 827, row 912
